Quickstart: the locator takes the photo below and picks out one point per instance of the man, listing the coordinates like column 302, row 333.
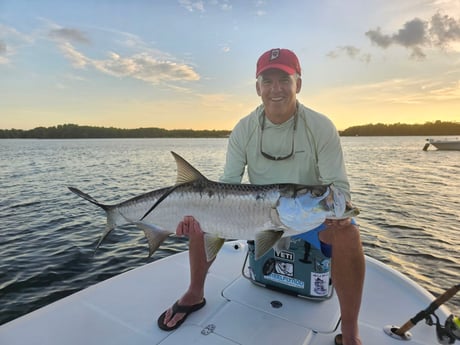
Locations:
column 282, row 141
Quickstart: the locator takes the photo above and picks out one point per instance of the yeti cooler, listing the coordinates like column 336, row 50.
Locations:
column 302, row 270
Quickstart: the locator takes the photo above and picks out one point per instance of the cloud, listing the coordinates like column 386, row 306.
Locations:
column 192, row 6
column 68, row 34
column 225, row 48
column 405, row 91
column 145, row 67
column 77, row 59
column 416, row 35
column 378, row 38
column 350, row 51
column 142, row 66
column 64, row 38
column 226, row 7
column 412, row 34
column 3, row 52
column 2, row 47
column 444, row 30
column 11, row 40
column 199, row 6
column 9, row 33
column 260, row 5
column 149, row 66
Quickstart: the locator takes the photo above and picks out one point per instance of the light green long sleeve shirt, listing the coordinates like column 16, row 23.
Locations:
column 318, row 157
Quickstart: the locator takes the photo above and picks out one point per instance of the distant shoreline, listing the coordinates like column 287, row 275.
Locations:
column 72, row 131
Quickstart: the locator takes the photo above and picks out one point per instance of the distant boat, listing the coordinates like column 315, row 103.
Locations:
column 446, row 144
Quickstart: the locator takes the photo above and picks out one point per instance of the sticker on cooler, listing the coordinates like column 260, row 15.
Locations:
column 285, row 280
column 319, row 284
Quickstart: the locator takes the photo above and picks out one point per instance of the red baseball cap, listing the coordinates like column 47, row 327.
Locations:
column 283, row 59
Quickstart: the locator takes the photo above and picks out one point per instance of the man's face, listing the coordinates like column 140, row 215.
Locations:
column 278, row 92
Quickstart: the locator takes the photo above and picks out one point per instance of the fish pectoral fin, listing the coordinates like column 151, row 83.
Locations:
column 265, row 240
column 352, row 212
column 349, row 213
column 212, row 245
column 338, row 201
column 155, row 236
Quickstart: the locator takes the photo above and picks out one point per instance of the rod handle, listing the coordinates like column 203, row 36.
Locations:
column 424, row 313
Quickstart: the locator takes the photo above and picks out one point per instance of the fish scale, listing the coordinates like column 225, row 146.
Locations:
column 226, row 215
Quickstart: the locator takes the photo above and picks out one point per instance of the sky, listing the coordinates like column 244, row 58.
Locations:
column 188, row 64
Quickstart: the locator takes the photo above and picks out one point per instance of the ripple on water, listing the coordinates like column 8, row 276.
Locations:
column 408, row 199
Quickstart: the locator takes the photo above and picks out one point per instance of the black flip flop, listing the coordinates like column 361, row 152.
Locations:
column 185, row 309
column 338, row 339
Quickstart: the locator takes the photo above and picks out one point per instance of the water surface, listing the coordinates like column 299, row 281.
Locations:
column 409, row 201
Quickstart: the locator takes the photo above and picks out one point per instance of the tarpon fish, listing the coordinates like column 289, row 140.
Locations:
column 263, row 213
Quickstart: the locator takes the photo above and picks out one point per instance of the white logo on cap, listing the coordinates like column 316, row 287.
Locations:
column 275, row 54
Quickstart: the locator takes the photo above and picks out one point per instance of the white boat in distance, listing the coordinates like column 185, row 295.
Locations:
column 124, row 310
column 446, row 144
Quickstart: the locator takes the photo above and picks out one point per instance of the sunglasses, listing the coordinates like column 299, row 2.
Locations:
column 277, row 158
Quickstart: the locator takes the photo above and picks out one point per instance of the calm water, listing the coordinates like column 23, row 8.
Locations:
column 409, row 200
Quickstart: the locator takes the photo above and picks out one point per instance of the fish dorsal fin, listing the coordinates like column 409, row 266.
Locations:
column 265, row 240
column 185, row 171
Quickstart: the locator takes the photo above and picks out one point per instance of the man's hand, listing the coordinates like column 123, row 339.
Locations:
column 189, row 226
column 337, row 223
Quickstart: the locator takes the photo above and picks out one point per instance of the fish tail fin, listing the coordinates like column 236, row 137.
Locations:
column 111, row 223
column 108, row 229
column 155, row 236
column 88, row 198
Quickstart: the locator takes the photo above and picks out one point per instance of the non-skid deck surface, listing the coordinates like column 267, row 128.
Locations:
column 124, row 310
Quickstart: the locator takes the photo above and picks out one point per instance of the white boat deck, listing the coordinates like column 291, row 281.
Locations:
column 125, row 308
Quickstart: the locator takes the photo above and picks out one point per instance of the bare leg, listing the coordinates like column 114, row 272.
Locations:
column 198, row 268
column 348, row 267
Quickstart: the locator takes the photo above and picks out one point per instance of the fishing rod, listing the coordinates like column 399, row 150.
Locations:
column 446, row 334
